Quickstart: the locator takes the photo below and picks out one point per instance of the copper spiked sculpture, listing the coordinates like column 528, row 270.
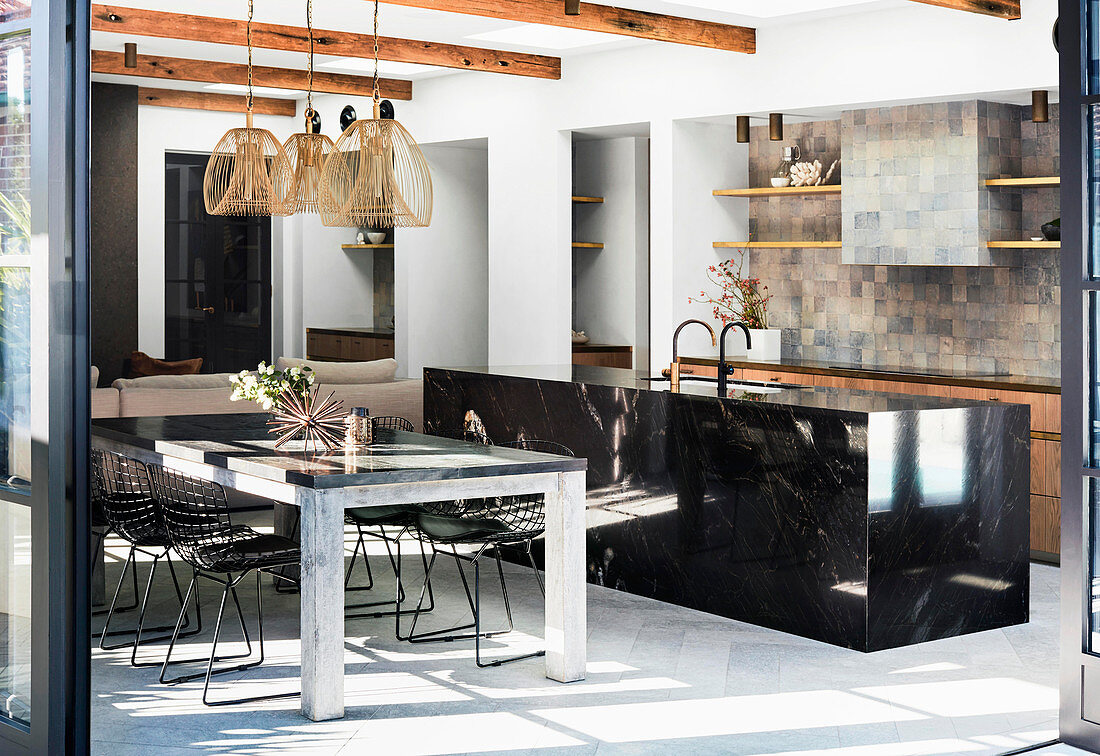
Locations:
column 316, row 422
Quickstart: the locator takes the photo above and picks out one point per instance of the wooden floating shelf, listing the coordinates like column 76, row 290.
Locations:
column 778, row 191
column 779, row 245
column 366, row 246
column 588, row 200
column 1033, row 181
column 1024, row 245
column 587, row 245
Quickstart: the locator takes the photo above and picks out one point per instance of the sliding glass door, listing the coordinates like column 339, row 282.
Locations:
column 43, row 378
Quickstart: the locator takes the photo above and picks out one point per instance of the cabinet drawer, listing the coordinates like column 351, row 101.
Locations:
column 1046, row 467
column 323, row 346
column 705, row 371
column 777, row 376
column 359, row 349
column 383, row 349
column 1046, row 524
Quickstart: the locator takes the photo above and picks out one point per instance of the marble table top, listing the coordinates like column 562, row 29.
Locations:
column 241, row 443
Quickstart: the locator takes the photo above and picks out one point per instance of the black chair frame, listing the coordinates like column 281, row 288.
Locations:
column 523, row 518
column 197, row 517
column 229, row 584
column 124, row 496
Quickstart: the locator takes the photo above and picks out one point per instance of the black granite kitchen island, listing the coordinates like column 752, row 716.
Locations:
column 864, row 520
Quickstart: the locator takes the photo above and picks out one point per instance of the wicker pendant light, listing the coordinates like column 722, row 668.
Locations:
column 376, row 176
column 247, row 173
column 307, row 152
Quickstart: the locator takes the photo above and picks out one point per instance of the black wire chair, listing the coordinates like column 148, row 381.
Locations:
column 121, row 488
column 486, row 524
column 196, row 515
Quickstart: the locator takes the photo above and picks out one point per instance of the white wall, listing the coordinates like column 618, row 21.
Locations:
column 855, row 59
column 441, row 273
column 163, row 130
column 912, row 52
column 706, row 157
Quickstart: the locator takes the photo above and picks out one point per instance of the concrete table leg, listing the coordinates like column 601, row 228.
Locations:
column 322, row 598
column 566, row 593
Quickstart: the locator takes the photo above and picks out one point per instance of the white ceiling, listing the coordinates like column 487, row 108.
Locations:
column 416, row 23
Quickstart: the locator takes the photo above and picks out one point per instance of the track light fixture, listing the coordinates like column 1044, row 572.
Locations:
column 572, row 7
column 775, row 127
column 1040, row 106
column 129, row 55
column 742, row 129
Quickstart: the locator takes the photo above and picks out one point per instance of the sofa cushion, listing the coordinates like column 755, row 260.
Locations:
column 140, row 402
column 95, row 377
column 344, row 373
column 198, row 381
column 403, row 398
column 142, row 364
column 104, row 403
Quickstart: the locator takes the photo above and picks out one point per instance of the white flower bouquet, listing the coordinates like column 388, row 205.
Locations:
column 266, row 385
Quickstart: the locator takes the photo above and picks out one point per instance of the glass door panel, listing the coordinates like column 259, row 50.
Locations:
column 16, row 643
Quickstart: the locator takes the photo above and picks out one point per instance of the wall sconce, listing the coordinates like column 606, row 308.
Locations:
column 742, row 129
column 572, row 7
column 1040, row 108
column 775, row 127
column 129, row 55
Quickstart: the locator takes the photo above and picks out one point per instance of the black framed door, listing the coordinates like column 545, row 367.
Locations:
column 44, row 380
column 217, row 276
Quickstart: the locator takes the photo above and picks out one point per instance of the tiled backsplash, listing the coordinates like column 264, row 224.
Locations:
column 974, row 318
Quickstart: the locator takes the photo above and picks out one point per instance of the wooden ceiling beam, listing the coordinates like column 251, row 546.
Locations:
column 226, row 31
column 179, row 98
column 603, row 18
column 181, row 69
column 1008, row 9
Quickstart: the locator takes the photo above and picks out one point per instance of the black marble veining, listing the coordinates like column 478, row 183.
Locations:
column 243, row 444
column 860, row 519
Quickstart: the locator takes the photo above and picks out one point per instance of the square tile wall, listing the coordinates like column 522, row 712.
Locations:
column 915, row 316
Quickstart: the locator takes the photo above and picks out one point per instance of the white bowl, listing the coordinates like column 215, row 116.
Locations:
column 781, row 182
column 376, row 237
column 1036, row 238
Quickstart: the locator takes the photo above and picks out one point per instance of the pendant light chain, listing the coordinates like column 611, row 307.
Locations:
column 309, row 92
column 248, row 34
column 377, row 96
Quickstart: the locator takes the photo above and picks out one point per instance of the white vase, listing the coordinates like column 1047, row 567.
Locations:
column 767, row 344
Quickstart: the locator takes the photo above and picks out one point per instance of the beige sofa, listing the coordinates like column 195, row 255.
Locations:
column 362, row 384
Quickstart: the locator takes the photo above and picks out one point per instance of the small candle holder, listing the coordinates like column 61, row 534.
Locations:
column 358, row 428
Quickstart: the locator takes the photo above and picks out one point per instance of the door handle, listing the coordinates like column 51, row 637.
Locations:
column 207, row 310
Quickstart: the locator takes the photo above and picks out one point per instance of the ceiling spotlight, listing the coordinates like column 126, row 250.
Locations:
column 572, row 7
column 129, row 56
column 742, row 129
column 1040, row 110
column 775, row 127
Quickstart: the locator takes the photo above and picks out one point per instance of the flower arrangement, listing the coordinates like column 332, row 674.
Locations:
column 266, row 385
column 741, row 298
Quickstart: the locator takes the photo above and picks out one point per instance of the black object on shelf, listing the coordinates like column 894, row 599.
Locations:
column 1053, row 231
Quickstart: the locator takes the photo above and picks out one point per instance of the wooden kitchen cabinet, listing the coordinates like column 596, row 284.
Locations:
column 352, row 345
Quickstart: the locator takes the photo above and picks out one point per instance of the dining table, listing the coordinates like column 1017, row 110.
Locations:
column 238, row 451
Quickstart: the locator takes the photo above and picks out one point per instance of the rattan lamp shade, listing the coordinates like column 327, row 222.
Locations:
column 306, row 155
column 376, row 177
column 247, row 174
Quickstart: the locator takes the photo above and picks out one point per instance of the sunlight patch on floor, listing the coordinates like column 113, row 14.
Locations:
column 731, row 715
